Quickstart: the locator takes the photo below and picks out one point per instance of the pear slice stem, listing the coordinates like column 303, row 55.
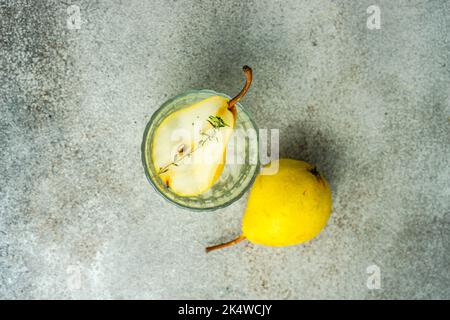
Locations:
column 226, row 244
column 248, row 81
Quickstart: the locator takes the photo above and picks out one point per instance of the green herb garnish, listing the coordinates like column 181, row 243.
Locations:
column 217, row 122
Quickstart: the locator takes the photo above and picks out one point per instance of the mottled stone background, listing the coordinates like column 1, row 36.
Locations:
column 371, row 108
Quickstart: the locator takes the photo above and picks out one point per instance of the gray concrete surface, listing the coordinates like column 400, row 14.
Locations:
column 370, row 107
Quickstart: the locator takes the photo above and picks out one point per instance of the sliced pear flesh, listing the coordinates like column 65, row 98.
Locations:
column 189, row 146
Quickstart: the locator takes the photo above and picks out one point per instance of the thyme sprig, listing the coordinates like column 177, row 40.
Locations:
column 217, row 122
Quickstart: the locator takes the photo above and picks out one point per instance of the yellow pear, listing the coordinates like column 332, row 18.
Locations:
column 189, row 146
column 287, row 208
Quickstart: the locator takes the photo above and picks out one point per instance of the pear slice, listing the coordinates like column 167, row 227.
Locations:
column 189, row 146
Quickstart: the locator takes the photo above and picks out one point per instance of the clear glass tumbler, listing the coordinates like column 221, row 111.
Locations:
column 241, row 166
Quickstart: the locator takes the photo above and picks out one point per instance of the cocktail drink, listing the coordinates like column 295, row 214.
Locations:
column 200, row 149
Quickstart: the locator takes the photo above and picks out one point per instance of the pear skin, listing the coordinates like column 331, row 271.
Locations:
column 287, row 208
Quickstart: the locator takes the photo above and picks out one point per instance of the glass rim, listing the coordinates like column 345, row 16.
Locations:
column 153, row 183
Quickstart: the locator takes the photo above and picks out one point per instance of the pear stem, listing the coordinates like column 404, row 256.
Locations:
column 226, row 244
column 248, row 81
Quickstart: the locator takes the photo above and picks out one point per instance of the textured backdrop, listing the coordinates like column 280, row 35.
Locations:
column 371, row 108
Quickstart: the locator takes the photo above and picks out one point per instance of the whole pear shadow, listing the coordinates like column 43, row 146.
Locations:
column 305, row 141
